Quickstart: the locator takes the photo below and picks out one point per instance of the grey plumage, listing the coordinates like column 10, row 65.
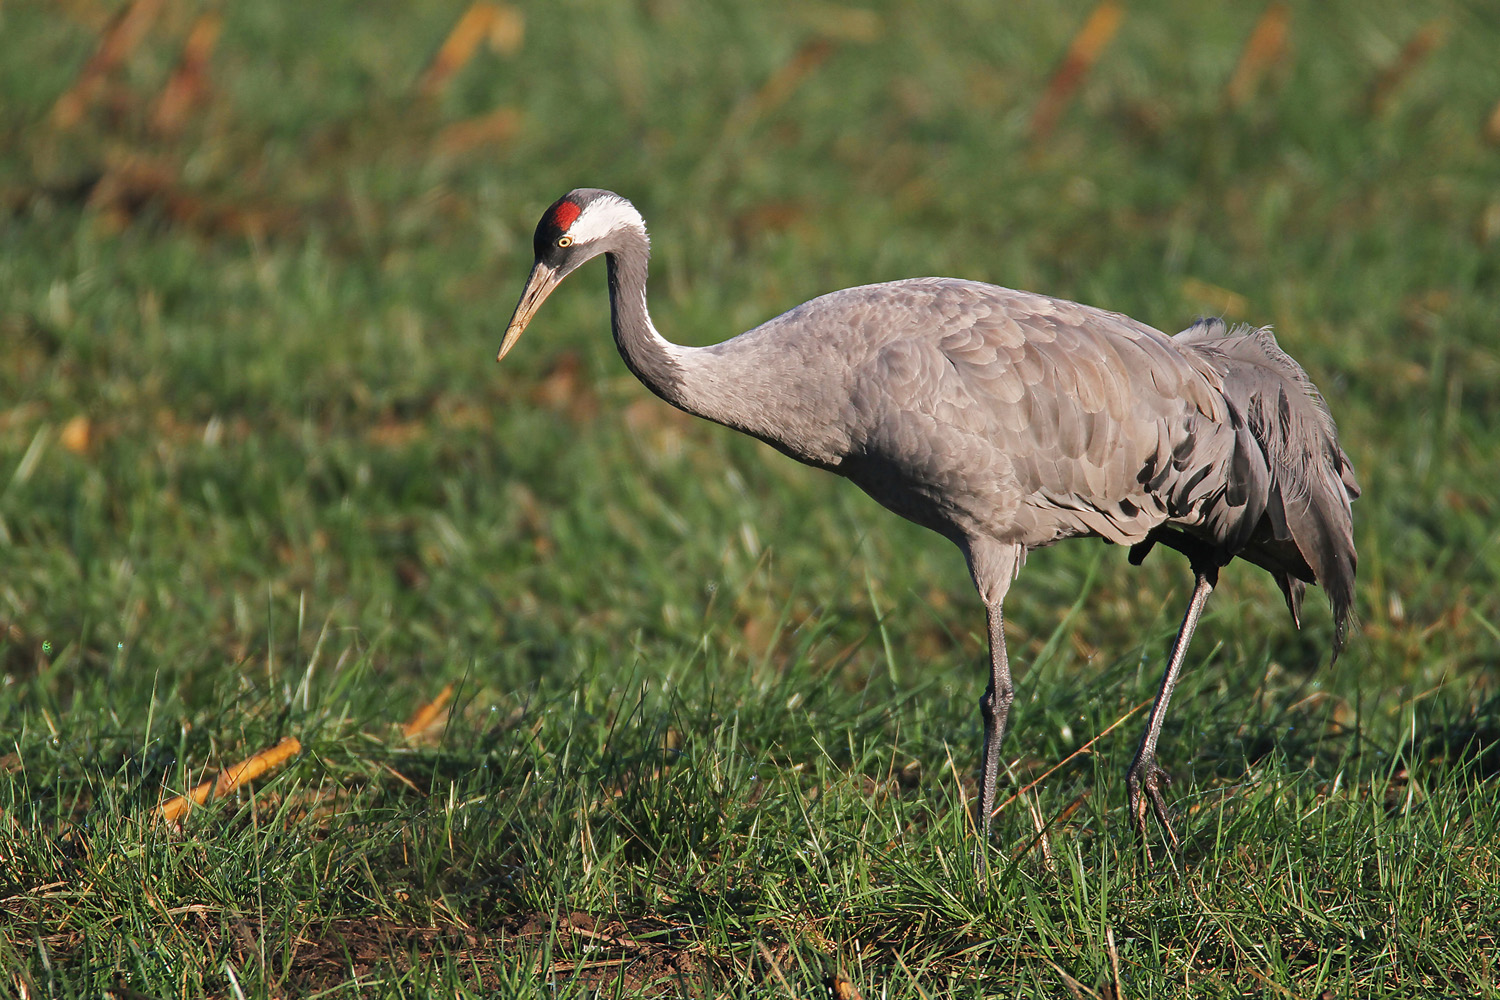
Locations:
column 1005, row 421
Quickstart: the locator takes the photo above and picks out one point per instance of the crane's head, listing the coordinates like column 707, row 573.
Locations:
column 578, row 227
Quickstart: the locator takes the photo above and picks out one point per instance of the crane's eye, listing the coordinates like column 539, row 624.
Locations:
column 565, row 241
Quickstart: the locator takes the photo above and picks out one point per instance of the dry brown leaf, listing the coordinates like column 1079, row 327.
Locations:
column 1087, row 46
column 76, row 434
column 1266, row 46
column 428, row 715
column 247, row 770
column 188, row 85
column 121, row 38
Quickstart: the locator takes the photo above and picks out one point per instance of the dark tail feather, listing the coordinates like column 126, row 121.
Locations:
column 1311, row 479
column 1293, row 589
column 1319, row 524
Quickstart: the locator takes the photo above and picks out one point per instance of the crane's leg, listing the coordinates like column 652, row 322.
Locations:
column 993, row 566
column 995, row 708
column 1145, row 776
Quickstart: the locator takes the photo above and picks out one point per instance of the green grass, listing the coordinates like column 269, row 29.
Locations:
column 714, row 725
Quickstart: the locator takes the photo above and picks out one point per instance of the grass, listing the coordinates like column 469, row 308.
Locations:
column 713, row 726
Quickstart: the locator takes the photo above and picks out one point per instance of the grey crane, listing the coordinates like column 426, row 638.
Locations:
column 1004, row 421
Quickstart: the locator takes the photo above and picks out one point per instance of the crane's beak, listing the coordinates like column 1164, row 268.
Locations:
column 538, row 286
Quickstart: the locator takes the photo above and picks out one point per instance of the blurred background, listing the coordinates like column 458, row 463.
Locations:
column 259, row 472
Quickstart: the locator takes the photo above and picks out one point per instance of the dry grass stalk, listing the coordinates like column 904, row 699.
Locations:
column 188, row 84
column 428, row 715
column 1085, row 50
column 1265, row 48
column 121, row 38
column 247, row 770
column 1428, row 39
column 1040, row 826
column 1075, row 988
column 1043, row 827
column 1087, row 747
column 765, row 953
column 910, row 977
column 501, row 25
column 1114, row 962
column 1266, row 980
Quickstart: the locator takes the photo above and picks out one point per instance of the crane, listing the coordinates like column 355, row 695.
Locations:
column 1006, row 420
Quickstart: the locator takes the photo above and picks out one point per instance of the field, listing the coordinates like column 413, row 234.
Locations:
column 594, row 698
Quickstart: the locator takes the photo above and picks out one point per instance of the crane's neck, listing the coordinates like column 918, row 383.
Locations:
column 732, row 383
column 651, row 357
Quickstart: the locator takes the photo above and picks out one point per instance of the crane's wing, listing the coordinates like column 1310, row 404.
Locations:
column 1037, row 418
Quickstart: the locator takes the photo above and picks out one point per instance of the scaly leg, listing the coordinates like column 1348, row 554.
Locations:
column 993, row 565
column 995, row 707
column 1144, row 774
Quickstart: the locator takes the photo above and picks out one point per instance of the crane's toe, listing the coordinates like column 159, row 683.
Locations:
column 1144, row 786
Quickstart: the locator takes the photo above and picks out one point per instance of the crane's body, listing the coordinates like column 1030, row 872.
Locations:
column 974, row 410
column 1005, row 421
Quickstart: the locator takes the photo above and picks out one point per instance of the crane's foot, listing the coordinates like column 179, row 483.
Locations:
column 1144, row 786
